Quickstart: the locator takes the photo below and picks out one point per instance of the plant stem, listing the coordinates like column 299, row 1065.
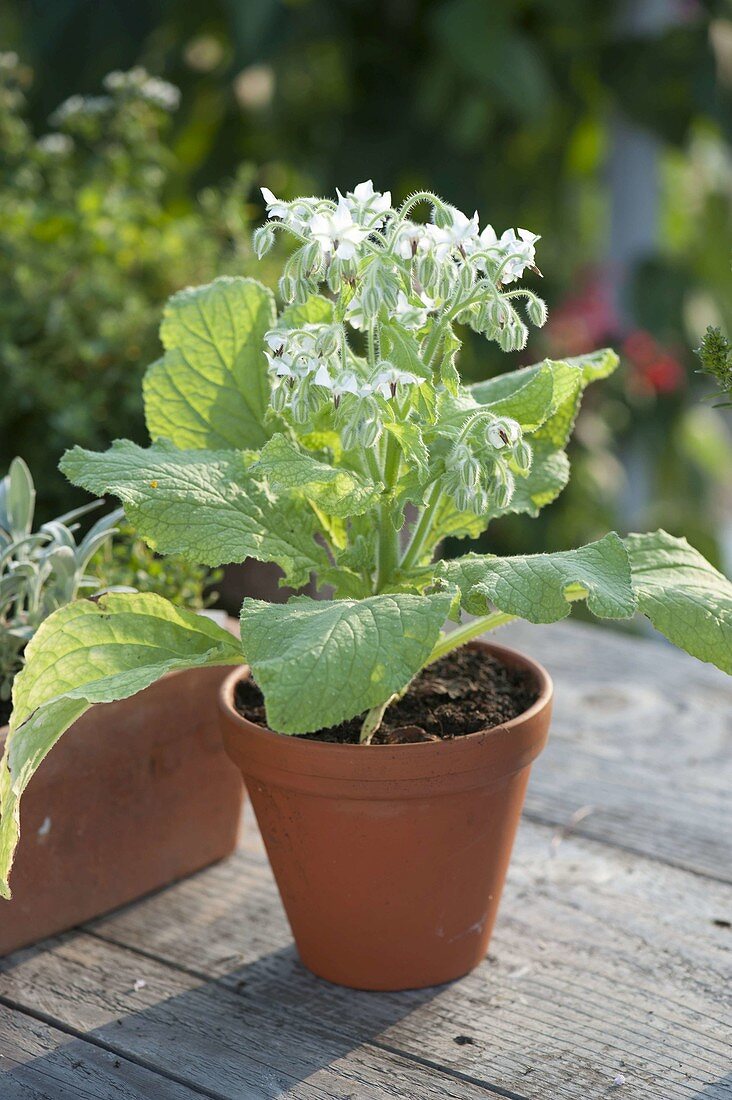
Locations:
column 422, row 529
column 372, row 721
column 388, row 552
column 467, row 632
column 433, row 341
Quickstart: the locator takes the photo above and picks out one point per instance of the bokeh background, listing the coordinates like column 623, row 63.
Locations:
column 604, row 127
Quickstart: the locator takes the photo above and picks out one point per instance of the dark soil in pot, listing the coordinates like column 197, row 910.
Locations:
column 462, row 693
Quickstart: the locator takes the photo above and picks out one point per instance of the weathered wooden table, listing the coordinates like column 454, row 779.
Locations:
column 610, row 973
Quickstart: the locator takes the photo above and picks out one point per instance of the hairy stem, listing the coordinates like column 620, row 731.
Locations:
column 372, row 721
column 388, row 551
column 422, row 529
column 467, row 632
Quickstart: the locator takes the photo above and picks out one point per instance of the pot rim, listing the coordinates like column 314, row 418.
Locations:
column 515, row 657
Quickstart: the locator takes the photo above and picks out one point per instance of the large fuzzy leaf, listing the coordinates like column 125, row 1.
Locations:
column 203, row 505
column 211, row 388
column 509, row 393
column 94, row 651
column 321, row 663
column 684, row 596
column 335, row 489
column 540, row 587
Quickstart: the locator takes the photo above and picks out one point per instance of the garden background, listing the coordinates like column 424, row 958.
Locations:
column 604, row 128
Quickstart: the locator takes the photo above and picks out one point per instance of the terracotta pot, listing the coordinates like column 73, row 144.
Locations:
column 390, row 860
column 135, row 795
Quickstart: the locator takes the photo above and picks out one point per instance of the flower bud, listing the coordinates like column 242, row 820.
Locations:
column 263, row 240
column 278, row 398
column 287, row 288
column 426, row 269
column 466, row 278
column 522, row 456
column 497, row 313
column 463, row 498
column 334, row 275
column 446, row 280
column 370, row 301
column 300, row 407
column 514, row 336
column 328, row 342
column 369, row 432
column 504, row 485
column 536, row 310
column 312, row 258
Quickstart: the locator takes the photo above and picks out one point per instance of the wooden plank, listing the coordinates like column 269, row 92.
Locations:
column 208, row 1036
column 38, row 1062
column 643, row 735
column 603, row 964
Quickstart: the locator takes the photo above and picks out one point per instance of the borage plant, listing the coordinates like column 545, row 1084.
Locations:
column 300, row 439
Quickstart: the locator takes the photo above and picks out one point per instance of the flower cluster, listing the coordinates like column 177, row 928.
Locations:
column 409, row 269
column 481, row 467
column 310, row 367
column 397, row 287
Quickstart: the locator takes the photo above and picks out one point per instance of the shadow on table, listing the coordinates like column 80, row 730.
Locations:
column 255, row 1033
column 716, row 1090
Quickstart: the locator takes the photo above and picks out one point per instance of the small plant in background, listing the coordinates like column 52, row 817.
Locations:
column 40, row 571
column 716, row 357
column 299, row 437
column 128, row 562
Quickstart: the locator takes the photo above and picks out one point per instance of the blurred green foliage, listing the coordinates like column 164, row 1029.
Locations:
column 90, row 249
column 128, row 562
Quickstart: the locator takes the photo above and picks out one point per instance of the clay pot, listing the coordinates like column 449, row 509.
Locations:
column 390, row 859
column 135, row 795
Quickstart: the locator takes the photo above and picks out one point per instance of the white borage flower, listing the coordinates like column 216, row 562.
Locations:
column 366, row 205
column 502, row 432
column 515, row 246
column 411, row 238
column 520, row 247
column 293, row 354
column 340, row 382
column 411, row 315
column 390, row 378
column 460, row 234
column 276, row 208
column 336, row 232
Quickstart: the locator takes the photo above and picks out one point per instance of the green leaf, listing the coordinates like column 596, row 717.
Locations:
column 336, row 490
column 540, row 587
column 684, row 596
column 530, row 402
column 409, row 437
column 203, row 505
column 401, row 348
column 321, row 663
column 570, row 377
column 547, row 477
column 315, row 310
column 211, row 388
column 94, row 651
